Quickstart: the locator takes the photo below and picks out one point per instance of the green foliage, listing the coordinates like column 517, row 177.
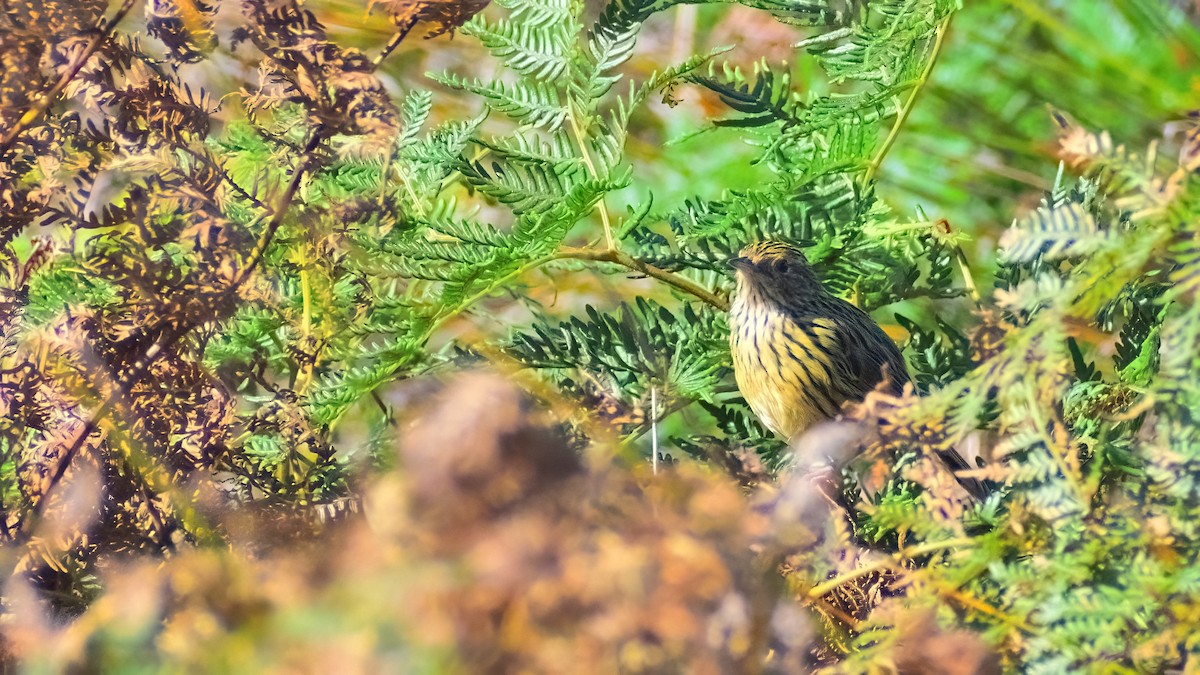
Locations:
column 226, row 317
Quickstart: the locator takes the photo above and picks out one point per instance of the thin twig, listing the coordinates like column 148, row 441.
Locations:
column 304, row 376
column 391, row 45
column 581, row 138
column 948, row 592
column 268, row 234
column 683, row 39
column 570, row 253
column 638, row 432
column 836, row 613
column 654, row 429
column 598, row 255
column 625, row 260
column 964, row 266
column 123, row 387
column 219, row 168
column 907, row 108
column 43, row 104
column 1037, row 12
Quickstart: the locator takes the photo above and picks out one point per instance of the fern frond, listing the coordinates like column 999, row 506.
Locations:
column 1055, row 232
column 536, row 50
column 535, row 103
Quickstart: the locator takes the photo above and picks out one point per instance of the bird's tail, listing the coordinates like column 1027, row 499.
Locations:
column 957, row 464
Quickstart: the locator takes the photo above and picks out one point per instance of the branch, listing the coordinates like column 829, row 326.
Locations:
column 581, row 138
column 43, row 104
column 625, row 260
column 569, row 253
column 1087, row 44
column 949, row 592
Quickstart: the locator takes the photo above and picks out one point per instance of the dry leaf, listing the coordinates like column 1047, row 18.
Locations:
column 447, row 15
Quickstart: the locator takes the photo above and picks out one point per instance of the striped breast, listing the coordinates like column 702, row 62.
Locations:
column 782, row 367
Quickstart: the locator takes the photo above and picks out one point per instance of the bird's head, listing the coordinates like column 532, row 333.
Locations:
column 774, row 268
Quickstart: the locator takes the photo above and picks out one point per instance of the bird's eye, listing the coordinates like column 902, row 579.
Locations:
column 781, row 266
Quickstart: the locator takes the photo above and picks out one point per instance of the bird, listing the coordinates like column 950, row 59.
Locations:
column 800, row 353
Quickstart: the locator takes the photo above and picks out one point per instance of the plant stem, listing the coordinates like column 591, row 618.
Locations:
column 304, row 378
column 944, row 228
column 598, row 255
column 971, row 602
column 581, row 138
column 306, row 296
column 569, row 253
column 964, row 266
column 907, row 108
column 1088, row 44
column 268, row 234
column 392, row 43
column 43, row 104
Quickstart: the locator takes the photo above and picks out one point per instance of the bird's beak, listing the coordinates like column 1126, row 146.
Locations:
column 740, row 263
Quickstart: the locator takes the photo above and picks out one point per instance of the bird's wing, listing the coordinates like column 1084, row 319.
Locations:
column 864, row 354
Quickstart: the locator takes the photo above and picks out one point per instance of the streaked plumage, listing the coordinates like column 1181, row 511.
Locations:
column 800, row 353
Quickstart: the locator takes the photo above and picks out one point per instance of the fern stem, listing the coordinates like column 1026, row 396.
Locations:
column 964, row 266
column 440, row 320
column 392, row 43
column 836, row 613
column 43, row 104
column 189, row 518
column 608, row 235
column 1060, row 459
column 304, row 378
column 268, row 233
column 306, row 295
column 663, row 414
column 491, row 288
column 907, row 108
column 960, row 256
column 654, row 428
column 220, row 169
column 625, row 260
column 581, row 138
column 417, row 203
column 948, row 592
column 571, row 253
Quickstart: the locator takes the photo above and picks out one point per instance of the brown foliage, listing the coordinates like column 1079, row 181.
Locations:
column 446, row 15
column 568, row 571
column 496, row 545
column 923, row 648
column 498, row 548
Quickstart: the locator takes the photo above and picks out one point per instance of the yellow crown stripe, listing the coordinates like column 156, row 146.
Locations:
column 768, row 250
